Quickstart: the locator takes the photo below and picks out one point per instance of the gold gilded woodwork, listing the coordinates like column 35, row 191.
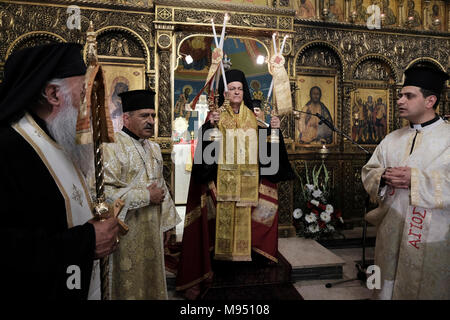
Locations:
column 353, row 50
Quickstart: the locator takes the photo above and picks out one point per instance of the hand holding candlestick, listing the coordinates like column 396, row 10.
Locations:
column 274, row 124
column 214, row 115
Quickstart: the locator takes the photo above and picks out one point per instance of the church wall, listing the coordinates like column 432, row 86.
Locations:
column 138, row 42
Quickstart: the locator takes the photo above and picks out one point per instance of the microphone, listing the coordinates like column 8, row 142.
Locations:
column 312, row 114
column 323, row 120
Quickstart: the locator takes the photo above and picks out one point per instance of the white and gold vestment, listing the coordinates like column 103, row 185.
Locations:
column 137, row 266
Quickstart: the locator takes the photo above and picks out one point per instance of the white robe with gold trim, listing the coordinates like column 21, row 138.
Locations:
column 138, row 270
column 413, row 225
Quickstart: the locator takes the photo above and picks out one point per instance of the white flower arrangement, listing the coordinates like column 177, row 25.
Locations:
column 323, row 219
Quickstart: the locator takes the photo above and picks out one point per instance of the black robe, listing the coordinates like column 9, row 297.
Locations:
column 36, row 244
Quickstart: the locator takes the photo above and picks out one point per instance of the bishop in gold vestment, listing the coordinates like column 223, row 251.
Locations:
column 134, row 173
column 408, row 175
column 232, row 206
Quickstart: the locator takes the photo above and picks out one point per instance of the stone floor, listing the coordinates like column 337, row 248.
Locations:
column 314, row 266
column 353, row 290
column 309, row 254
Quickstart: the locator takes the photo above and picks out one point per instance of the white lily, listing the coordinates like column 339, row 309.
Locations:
column 310, row 218
column 329, row 209
column 325, row 217
column 315, row 202
column 298, row 213
column 317, row 193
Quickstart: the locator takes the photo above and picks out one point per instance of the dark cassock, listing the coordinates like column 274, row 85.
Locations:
column 47, row 245
column 232, row 206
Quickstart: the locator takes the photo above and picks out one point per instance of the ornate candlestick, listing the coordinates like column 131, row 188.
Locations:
column 213, row 107
column 324, row 152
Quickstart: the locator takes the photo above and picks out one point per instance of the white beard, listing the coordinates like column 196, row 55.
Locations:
column 63, row 129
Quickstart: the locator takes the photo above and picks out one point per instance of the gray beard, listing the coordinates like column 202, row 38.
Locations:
column 63, row 129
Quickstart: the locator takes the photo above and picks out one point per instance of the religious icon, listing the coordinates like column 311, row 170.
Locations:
column 120, row 78
column 361, row 11
column 336, row 11
column 413, row 19
column 248, row 2
column 317, row 95
column 305, row 9
column 199, row 48
column 436, row 16
column 369, row 115
column 257, row 93
column 390, row 19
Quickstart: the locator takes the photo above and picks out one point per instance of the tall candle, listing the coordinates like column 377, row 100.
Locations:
column 282, row 45
column 275, row 52
column 222, row 40
column 274, row 43
column 217, row 46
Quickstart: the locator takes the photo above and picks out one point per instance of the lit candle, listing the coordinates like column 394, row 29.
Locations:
column 217, row 46
column 282, row 45
column 323, row 149
column 222, row 36
column 270, row 91
column 222, row 39
column 275, row 52
column 274, row 43
column 214, row 33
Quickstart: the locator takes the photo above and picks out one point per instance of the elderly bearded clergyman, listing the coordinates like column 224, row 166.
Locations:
column 48, row 231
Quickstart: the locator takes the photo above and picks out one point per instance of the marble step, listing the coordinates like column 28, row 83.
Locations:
column 310, row 260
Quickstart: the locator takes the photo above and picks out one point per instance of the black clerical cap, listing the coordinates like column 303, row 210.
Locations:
column 28, row 70
column 231, row 76
column 426, row 78
column 137, row 99
column 256, row 103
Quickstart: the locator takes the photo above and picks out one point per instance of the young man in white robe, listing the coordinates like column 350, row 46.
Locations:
column 409, row 176
column 134, row 173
